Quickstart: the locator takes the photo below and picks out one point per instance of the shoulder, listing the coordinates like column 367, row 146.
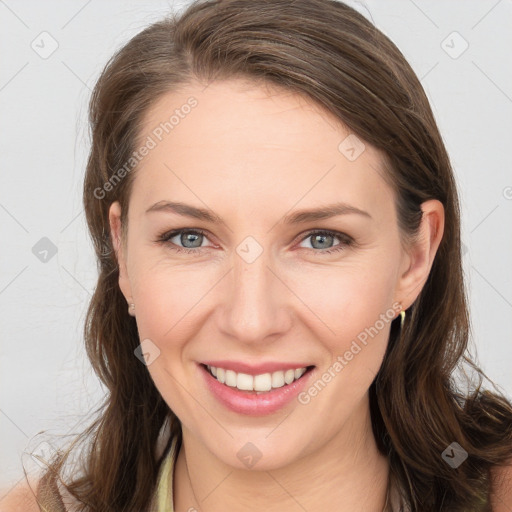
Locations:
column 501, row 496
column 20, row 497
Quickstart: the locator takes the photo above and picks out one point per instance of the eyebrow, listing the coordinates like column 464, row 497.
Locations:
column 185, row 210
column 297, row 217
column 324, row 212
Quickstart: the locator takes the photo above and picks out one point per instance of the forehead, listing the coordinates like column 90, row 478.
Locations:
column 251, row 144
column 240, row 112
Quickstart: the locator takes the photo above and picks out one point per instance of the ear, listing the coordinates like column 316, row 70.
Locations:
column 114, row 216
column 420, row 256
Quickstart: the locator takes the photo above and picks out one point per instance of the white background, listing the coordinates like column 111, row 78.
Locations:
column 45, row 380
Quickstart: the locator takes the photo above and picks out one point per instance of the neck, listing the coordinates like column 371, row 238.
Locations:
column 337, row 476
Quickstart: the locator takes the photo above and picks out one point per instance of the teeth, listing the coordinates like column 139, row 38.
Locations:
column 259, row 383
column 244, row 381
column 278, row 379
column 289, row 376
column 263, row 382
column 230, row 378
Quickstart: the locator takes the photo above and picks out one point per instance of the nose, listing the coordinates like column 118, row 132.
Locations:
column 256, row 304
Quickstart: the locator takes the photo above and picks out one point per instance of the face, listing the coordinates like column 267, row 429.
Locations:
column 258, row 283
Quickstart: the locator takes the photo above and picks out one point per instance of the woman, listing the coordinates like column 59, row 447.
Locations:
column 280, row 304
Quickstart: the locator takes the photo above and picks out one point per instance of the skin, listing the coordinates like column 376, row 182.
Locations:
column 270, row 155
column 252, row 155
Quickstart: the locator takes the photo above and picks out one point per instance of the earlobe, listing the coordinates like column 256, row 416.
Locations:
column 421, row 255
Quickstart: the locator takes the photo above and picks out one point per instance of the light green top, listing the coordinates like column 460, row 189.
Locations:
column 164, row 494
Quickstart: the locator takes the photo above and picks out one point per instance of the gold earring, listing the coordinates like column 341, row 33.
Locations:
column 131, row 309
column 402, row 318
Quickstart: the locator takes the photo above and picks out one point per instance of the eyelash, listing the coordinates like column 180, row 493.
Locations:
column 346, row 241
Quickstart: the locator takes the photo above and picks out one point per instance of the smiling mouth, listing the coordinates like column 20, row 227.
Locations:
column 256, row 384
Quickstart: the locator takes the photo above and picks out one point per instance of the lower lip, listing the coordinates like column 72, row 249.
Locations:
column 252, row 404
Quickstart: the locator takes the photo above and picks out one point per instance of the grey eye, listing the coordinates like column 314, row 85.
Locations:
column 321, row 240
column 194, row 239
column 189, row 239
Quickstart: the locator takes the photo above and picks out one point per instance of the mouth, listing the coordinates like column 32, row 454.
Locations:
column 263, row 383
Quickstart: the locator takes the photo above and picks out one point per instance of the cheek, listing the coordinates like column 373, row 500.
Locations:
column 166, row 289
column 356, row 311
column 166, row 298
column 343, row 302
column 169, row 300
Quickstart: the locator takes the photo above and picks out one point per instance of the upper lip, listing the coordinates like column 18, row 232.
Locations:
column 255, row 369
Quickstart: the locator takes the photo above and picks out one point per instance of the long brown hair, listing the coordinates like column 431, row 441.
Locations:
column 333, row 55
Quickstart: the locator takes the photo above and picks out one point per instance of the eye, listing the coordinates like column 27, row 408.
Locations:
column 191, row 240
column 323, row 239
